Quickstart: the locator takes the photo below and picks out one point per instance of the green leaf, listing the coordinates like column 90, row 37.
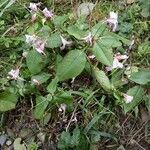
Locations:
column 41, row 104
column 109, row 41
column 59, row 20
column 54, row 41
column 76, row 32
column 137, row 92
column 140, row 77
column 99, row 29
column 95, row 119
column 64, row 140
column 102, row 79
column 103, row 54
column 63, row 97
column 51, row 88
column 116, row 79
column 75, row 137
column 42, row 77
column 7, row 101
column 119, row 38
column 35, row 61
column 71, row 65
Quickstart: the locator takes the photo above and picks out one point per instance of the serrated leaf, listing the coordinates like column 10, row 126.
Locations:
column 71, row 65
column 7, row 101
column 137, row 92
column 35, row 61
column 102, row 79
column 41, row 104
column 103, row 54
column 54, row 41
column 140, row 77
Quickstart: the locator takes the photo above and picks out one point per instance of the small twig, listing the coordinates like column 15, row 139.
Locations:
column 72, row 116
column 139, row 145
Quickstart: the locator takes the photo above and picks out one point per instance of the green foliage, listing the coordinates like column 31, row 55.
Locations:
column 77, row 88
column 71, row 65
column 69, row 141
column 54, row 41
column 102, row 79
column 7, row 101
column 140, row 77
column 103, row 53
column 137, row 92
column 35, row 62
column 41, row 104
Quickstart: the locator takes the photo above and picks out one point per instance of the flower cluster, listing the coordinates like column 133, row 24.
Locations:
column 34, row 10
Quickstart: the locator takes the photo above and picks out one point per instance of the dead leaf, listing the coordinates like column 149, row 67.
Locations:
column 130, row 1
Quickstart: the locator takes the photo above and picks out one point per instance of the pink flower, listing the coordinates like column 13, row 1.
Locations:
column 14, row 73
column 47, row 13
column 127, row 98
column 64, row 43
column 121, row 57
column 39, row 45
column 33, row 17
column 113, row 20
column 36, row 42
column 33, row 7
column 30, row 39
column 88, row 38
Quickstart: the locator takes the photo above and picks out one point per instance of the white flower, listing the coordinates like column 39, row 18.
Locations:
column 47, row 13
column 36, row 82
column 64, row 43
column 127, row 98
column 117, row 58
column 36, row 42
column 33, row 7
column 88, row 38
column 24, row 54
column 113, row 20
column 62, row 107
column 30, row 39
column 14, row 73
column 91, row 56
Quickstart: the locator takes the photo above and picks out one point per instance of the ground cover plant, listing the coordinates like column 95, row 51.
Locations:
column 74, row 75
